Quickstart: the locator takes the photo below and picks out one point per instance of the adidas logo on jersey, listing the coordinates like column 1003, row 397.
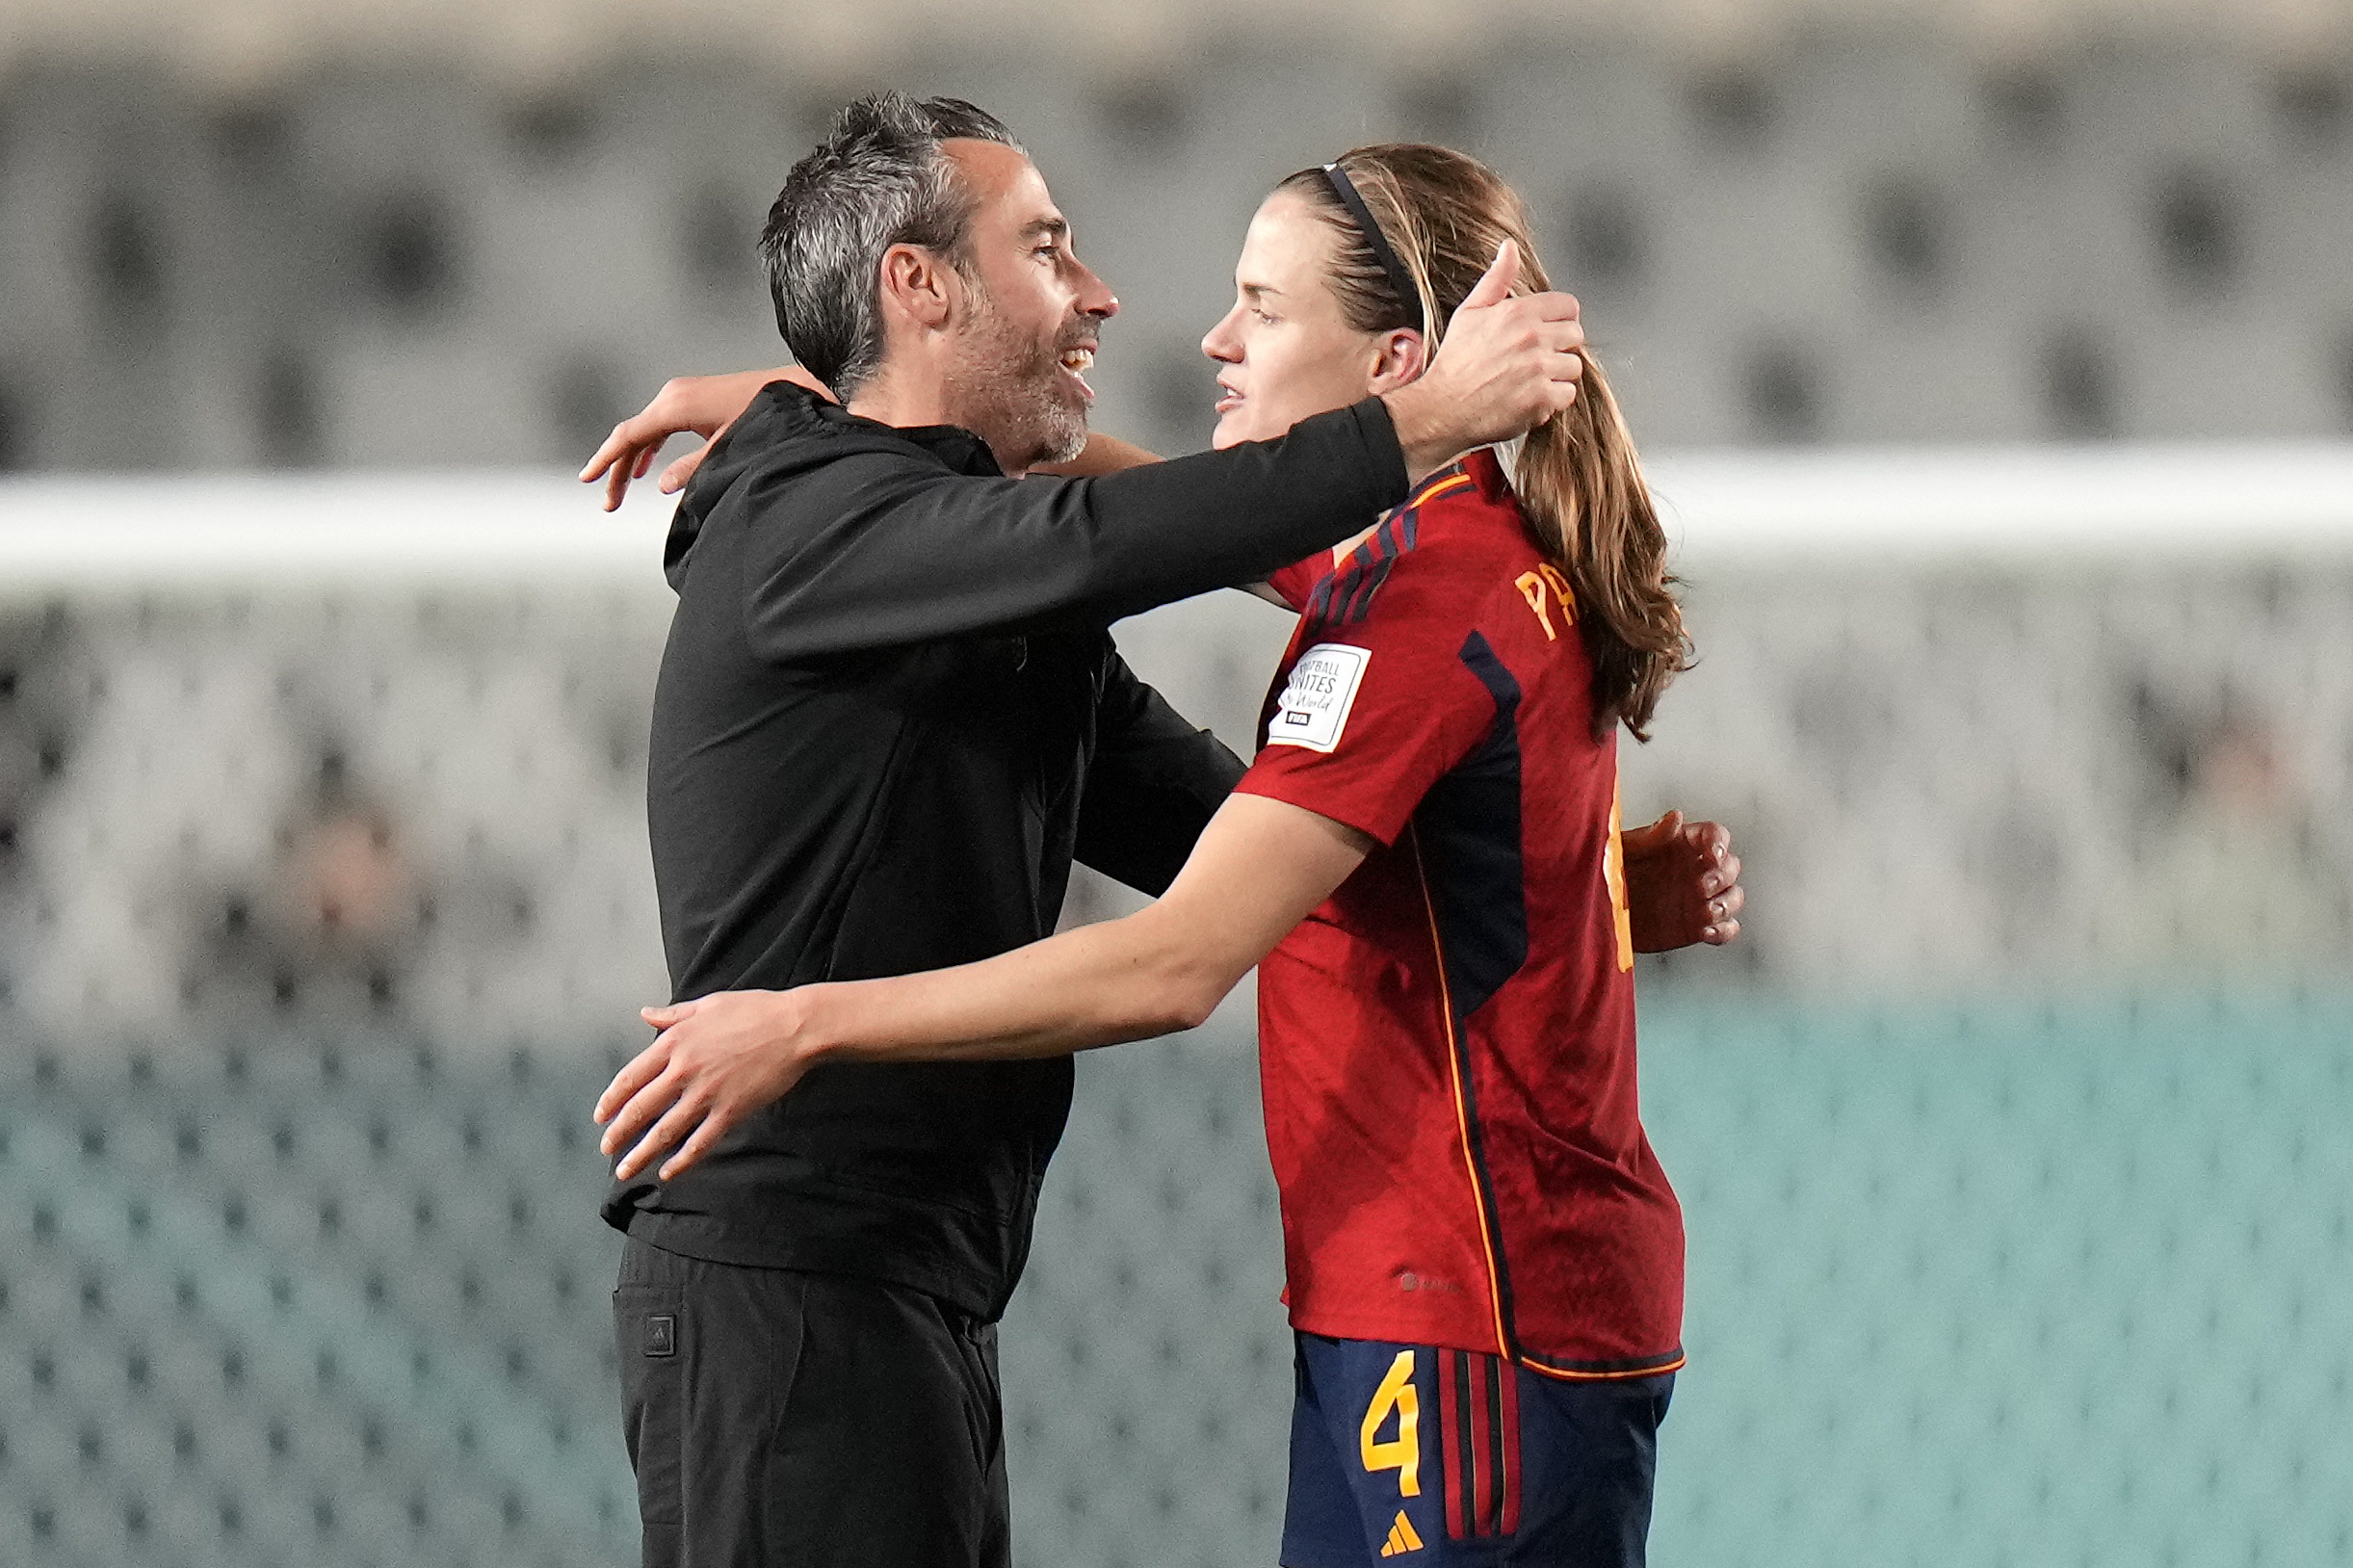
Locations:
column 1402, row 1537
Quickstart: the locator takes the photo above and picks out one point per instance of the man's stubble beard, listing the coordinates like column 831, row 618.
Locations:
column 1009, row 389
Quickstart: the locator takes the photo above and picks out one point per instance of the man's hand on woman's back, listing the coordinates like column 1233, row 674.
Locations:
column 1683, row 884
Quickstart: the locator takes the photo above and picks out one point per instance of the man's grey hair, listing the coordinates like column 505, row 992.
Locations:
column 878, row 179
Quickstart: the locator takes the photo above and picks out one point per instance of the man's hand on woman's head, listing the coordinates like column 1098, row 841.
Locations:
column 702, row 404
column 1683, row 884
column 1509, row 362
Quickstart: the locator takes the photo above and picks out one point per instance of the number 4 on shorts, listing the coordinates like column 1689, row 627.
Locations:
column 1402, row 1452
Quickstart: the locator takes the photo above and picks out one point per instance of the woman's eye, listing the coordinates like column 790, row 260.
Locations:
column 1265, row 318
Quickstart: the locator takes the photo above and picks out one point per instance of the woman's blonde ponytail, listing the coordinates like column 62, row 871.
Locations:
column 1577, row 479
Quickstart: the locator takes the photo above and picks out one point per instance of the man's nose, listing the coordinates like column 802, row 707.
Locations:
column 1095, row 296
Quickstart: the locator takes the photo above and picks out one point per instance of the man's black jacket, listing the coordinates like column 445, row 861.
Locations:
column 888, row 717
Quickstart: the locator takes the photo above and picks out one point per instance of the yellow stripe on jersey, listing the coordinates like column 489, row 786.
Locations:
column 1462, row 1112
column 1444, row 487
column 1568, row 1374
column 1614, row 875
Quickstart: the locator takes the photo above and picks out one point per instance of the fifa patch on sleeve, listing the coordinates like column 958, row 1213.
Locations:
column 1313, row 708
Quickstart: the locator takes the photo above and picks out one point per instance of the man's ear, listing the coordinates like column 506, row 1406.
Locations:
column 1400, row 357
column 917, row 287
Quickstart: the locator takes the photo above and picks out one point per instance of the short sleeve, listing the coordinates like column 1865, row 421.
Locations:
column 1297, row 581
column 1374, row 713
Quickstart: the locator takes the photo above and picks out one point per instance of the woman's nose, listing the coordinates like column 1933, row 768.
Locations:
column 1218, row 343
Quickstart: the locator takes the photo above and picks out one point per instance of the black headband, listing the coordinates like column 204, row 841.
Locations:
column 1400, row 281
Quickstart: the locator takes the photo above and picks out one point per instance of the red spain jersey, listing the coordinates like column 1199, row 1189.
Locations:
column 1447, row 1046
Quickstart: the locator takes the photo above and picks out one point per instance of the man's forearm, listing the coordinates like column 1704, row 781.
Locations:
column 1426, row 435
column 896, row 558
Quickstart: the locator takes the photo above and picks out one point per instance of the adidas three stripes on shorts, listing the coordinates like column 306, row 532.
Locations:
column 1449, row 1457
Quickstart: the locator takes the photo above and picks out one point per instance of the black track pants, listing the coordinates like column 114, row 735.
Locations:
column 786, row 1419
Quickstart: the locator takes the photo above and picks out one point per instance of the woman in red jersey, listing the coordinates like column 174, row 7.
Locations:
column 1485, row 1258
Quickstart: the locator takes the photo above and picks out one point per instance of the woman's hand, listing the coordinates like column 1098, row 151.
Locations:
column 718, row 1059
column 704, row 404
column 1261, row 868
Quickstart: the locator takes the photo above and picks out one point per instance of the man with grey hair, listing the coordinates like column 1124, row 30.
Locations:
column 889, row 716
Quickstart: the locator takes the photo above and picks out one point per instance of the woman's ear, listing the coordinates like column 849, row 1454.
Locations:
column 1400, row 357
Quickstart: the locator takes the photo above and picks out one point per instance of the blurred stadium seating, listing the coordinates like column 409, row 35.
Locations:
column 2012, row 1136
column 389, row 239
column 2003, row 1283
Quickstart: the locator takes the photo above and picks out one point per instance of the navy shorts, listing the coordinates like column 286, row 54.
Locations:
column 1450, row 1457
